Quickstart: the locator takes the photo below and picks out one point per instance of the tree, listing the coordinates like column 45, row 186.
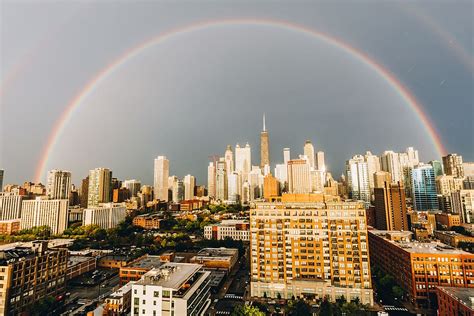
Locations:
column 247, row 310
column 299, row 307
column 326, row 308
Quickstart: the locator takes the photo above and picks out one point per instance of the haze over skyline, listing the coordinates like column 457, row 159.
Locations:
column 188, row 97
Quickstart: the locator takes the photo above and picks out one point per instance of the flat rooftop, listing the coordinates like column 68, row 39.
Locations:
column 461, row 293
column 122, row 291
column 73, row 260
column 52, row 243
column 170, row 275
column 217, row 252
column 149, row 262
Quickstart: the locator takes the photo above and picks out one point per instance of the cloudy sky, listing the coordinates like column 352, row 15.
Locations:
column 195, row 92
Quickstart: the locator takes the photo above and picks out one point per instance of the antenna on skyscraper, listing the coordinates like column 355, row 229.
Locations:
column 264, row 128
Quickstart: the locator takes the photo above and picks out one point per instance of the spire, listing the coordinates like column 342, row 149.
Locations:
column 264, row 128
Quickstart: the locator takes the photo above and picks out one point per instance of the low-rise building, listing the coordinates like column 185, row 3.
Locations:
column 217, row 258
column 119, row 302
column 189, row 205
column 418, row 267
column 148, row 221
column 234, row 229
column 8, row 227
column 452, row 238
column 78, row 265
column 448, row 219
column 138, row 267
column 114, row 261
column 455, row 301
column 172, row 289
column 29, row 275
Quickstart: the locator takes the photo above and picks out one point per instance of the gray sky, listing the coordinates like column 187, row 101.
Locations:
column 195, row 93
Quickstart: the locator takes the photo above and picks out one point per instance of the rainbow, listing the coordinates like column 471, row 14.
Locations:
column 102, row 75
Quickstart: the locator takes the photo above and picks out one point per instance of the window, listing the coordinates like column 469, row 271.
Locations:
column 156, row 294
column 166, row 293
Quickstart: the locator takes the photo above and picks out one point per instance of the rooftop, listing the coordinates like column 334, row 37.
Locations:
column 465, row 295
column 170, row 275
column 122, row 291
column 73, row 260
column 148, row 262
column 217, row 252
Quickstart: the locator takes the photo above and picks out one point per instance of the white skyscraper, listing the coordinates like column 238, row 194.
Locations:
column 58, row 184
column 234, row 187
column 229, row 159
column 390, row 162
column 255, row 180
column 358, row 178
column 43, row 212
column 106, row 216
column 286, row 155
column 318, row 179
column 320, row 164
column 99, row 186
column 373, row 165
column 10, row 206
column 189, row 184
column 211, row 180
column 309, row 152
column 133, row 186
column 221, row 180
column 162, row 170
column 243, row 160
column 299, row 176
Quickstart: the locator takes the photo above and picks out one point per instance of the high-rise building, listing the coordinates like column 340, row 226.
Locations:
column 317, row 181
column 221, row 180
column 264, row 146
column 309, row 248
column 211, row 180
column 177, row 190
column 106, row 216
column 437, row 167
column 423, row 186
column 229, row 159
column 256, row 183
column 189, row 182
column 271, row 187
column 133, row 186
column 162, row 171
column 468, row 168
column 445, row 185
column 234, row 187
column 10, row 206
column 84, row 192
column 358, row 178
column 373, row 165
column 281, row 173
column 44, row 212
column 380, row 177
column 462, row 203
column 308, row 151
column 172, row 289
column 453, row 165
column 1, row 179
column 390, row 162
column 58, row 184
column 99, row 186
column 320, row 163
column 390, row 207
column 243, row 160
column 286, row 155
column 299, row 176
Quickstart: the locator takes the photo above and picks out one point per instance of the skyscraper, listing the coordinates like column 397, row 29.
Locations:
column 99, row 186
column 264, row 146
column 1, row 179
column 286, row 155
column 373, row 165
column 453, row 165
column 211, row 180
column 299, row 176
column 437, row 167
column 43, row 212
column 423, row 187
column 133, row 186
column 358, row 178
column 221, row 180
column 308, row 151
column 58, row 184
column 229, row 159
column 234, row 187
column 390, row 207
column 271, row 187
column 189, row 182
column 390, row 162
column 162, row 170
column 243, row 160
column 320, row 164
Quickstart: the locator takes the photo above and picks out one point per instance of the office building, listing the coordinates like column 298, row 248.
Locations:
column 286, row 155
column 100, row 180
column 358, row 179
column 462, row 203
column 120, row 195
column 445, row 185
column 468, row 168
column 453, row 165
column 172, row 289
column 161, row 174
column 455, row 301
column 234, row 187
column 310, row 249
column 420, row 267
column 211, row 180
column 243, row 160
column 221, row 180
column 281, row 174
column 133, row 186
column 58, row 184
column 317, row 181
column 229, row 159
column 299, row 176
column 423, row 186
column 107, row 215
column 380, row 177
column 373, row 166
column 308, row 151
column 84, row 196
column 2, row 172
column 264, row 146
column 390, row 162
column 271, row 187
column 320, row 163
column 448, row 220
column 233, row 229
column 44, row 212
column 437, row 167
column 189, row 183
column 390, row 207
column 10, row 206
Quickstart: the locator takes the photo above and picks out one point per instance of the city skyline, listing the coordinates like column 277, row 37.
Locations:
column 310, row 87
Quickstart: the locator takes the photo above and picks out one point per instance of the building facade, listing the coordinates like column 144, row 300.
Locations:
column 58, row 184
column 99, row 190
column 233, row 229
column 107, row 215
column 161, row 174
column 43, row 212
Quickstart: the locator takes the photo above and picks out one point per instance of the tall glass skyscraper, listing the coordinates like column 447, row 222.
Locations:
column 424, row 188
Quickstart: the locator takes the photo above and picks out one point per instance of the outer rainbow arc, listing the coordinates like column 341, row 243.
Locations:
column 131, row 53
